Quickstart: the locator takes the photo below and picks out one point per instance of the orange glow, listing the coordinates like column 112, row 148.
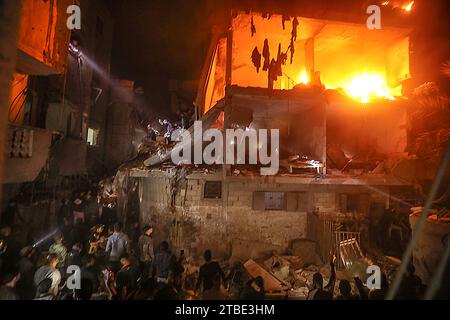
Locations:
column 303, row 77
column 385, row 3
column 408, row 7
column 368, row 86
column 362, row 64
column 364, row 87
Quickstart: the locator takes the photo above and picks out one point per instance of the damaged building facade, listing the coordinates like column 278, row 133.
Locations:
column 350, row 162
column 66, row 115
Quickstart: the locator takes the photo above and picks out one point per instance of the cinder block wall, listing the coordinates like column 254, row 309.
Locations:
column 195, row 224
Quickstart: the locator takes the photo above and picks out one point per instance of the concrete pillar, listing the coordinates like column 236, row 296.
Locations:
column 9, row 29
column 309, row 58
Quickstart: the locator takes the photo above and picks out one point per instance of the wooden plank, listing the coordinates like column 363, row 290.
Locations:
column 271, row 283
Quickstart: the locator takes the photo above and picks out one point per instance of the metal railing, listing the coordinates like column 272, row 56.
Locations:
column 325, row 231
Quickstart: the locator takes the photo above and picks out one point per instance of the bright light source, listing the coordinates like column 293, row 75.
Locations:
column 408, row 7
column 367, row 86
column 303, row 77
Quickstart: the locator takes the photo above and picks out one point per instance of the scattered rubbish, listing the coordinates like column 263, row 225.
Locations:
column 272, row 284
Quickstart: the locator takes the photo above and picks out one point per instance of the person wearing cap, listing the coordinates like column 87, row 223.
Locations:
column 146, row 250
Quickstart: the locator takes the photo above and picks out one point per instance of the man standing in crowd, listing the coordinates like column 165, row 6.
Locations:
column 146, row 252
column 117, row 246
column 208, row 272
column 164, row 263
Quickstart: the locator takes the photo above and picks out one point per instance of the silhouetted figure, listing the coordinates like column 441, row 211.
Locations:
column 208, row 271
column 318, row 292
column 164, row 263
column 8, row 288
column 254, row 290
column 345, row 290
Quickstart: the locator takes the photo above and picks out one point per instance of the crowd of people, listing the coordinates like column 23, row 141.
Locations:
column 124, row 263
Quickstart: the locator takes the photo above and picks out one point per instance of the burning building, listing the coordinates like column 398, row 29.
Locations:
column 356, row 134
column 348, row 162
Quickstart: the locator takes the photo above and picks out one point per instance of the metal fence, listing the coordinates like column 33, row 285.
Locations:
column 326, row 232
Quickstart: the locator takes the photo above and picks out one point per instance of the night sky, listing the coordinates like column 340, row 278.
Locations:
column 159, row 40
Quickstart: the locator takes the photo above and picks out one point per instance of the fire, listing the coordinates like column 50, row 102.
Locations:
column 368, row 86
column 364, row 87
column 303, row 77
column 408, row 7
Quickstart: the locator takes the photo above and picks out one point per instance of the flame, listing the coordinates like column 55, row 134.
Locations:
column 363, row 87
column 303, row 77
column 408, row 7
column 368, row 86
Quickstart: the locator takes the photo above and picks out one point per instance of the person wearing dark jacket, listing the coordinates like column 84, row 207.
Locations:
column 12, row 248
column 345, row 290
column 127, row 278
column 208, row 271
column 89, row 271
column 318, row 292
column 164, row 263
column 146, row 251
column 27, row 268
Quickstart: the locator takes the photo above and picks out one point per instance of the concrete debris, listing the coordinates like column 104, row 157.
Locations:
column 298, row 294
column 278, row 266
column 306, row 249
column 243, row 249
column 312, row 268
column 271, row 283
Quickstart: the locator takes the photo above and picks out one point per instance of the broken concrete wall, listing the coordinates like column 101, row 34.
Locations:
column 240, row 227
